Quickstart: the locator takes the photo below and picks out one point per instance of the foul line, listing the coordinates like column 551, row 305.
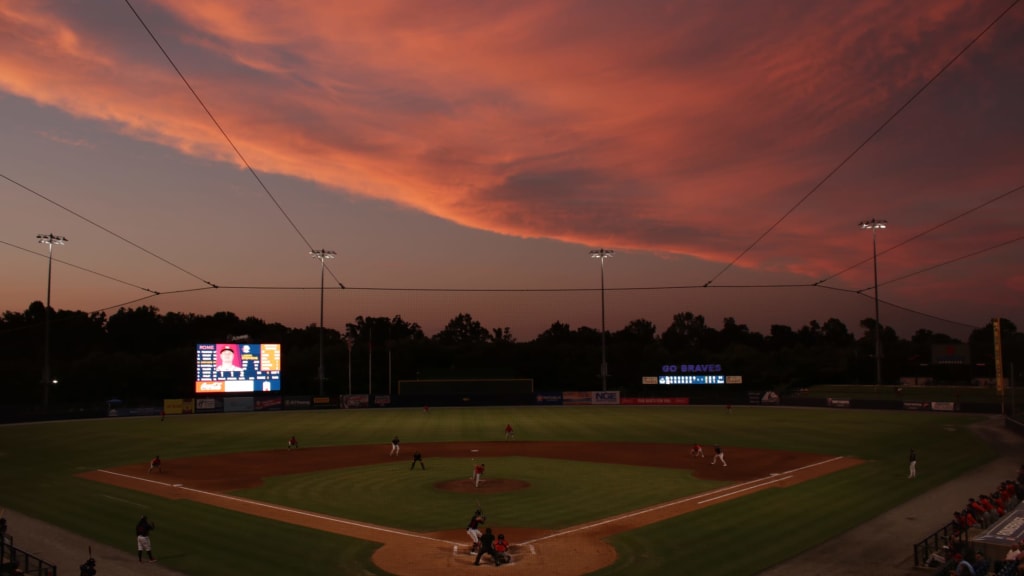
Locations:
column 716, row 494
column 287, row 510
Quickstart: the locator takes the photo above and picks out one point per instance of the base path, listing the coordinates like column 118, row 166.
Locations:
column 566, row 552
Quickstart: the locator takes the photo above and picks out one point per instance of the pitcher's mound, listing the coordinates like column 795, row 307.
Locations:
column 488, row 486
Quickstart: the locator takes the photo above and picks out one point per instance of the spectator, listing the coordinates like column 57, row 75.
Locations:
column 1013, row 553
column 963, row 568
column 980, row 564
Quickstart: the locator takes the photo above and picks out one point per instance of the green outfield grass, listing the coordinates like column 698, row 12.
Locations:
column 555, row 499
column 38, row 463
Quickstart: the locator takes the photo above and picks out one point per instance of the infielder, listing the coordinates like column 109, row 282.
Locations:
column 394, row 446
column 719, row 455
column 697, row 451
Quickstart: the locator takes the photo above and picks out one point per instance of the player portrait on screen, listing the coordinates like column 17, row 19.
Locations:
column 227, row 360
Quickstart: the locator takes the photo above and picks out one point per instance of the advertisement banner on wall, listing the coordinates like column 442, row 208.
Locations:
column 297, row 402
column 239, row 404
column 606, row 397
column 944, row 406
column 655, row 401
column 272, row 403
column 551, row 398
column 355, row 401
column 917, row 405
column 838, row 403
column 206, row 404
column 382, row 400
column 576, row 398
column 324, row 402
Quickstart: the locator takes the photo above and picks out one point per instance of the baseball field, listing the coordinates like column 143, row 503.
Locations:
column 581, row 490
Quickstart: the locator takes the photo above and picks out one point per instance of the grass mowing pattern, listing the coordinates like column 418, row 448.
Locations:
column 386, row 493
column 38, row 463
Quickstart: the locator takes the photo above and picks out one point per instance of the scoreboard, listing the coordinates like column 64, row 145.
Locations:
column 692, row 379
column 223, row 368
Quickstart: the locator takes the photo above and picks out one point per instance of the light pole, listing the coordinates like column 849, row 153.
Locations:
column 49, row 240
column 874, row 226
column 322, row 255
column 349, row 341
column 601, row 254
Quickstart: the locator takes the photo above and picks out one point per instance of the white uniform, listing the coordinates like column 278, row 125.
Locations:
column 719, row 455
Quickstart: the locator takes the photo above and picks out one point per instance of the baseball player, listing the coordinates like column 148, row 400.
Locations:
column 88, row 569
column 510, row 434
column 293, row 443
column 417, row 457
column 478, row 472
column 154, row 464
column 719, row 455
column 697, row 451
column 394, row 446
column 142, row 530
column 473, row 529
column 501, row 553
column 913, row 464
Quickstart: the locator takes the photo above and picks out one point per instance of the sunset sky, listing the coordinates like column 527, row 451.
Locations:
column 465, row 156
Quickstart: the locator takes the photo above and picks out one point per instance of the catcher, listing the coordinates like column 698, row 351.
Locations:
column 501, row 551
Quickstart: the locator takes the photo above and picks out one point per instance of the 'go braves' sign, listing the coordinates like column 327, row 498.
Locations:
column 691, row 368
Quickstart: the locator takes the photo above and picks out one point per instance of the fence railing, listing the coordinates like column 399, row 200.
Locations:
column 14, row 561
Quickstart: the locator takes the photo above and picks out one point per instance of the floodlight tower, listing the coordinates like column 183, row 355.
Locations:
column 322, row 255
column 50, row 240
column 874, row 226
column 601, row 254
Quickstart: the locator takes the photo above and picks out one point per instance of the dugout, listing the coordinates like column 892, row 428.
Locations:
column 464, row 391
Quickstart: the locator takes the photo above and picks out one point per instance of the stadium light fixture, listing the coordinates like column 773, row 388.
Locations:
column 322, row 255
column 875, row 226
column 50, row 240
column 601, row 254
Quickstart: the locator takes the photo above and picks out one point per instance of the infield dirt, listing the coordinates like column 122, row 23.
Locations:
column 567, row 552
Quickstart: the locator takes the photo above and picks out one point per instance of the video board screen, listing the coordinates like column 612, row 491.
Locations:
column 226, row 368
column 692, row 379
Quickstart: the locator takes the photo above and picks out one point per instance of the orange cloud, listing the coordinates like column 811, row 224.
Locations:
column 684, row 129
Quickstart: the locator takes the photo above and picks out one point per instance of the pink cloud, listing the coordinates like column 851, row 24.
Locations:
column 685, row 130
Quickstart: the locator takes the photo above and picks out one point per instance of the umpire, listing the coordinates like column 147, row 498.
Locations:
column 487, row 547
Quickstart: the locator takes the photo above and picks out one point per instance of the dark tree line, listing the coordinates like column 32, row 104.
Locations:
column 139, row 353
